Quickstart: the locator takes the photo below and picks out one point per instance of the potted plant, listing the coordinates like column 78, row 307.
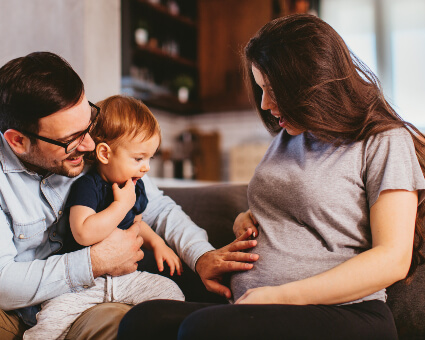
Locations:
column 141, row 34
column 183, row 84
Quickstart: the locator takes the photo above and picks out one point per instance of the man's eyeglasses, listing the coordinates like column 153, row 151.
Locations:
column 75, row 142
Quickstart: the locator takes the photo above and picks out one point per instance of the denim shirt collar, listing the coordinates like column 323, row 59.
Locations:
column 8, row 159
column 10, row 162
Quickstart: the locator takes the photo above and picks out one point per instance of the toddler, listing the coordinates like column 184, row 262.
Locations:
column 113, row 195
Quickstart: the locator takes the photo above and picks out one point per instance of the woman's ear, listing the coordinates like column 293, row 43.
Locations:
column 17, row 141
column 103, row 152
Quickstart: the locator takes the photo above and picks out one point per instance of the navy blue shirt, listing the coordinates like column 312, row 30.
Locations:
column 92, row 191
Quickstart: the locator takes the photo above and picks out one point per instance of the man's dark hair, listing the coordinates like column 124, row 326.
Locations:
column 36, row 86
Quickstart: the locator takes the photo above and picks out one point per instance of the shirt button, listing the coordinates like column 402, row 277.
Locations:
column 85, row 286
column 21, row 236
column 60, row 212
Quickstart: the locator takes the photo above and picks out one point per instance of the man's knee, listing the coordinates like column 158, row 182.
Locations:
column 98, row 322
column 11, row 326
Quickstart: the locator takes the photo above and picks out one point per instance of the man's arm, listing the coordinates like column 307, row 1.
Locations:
column 119, row 253
column 29, row 283
column 24, row 284
column 174, row 226
column 191, row 242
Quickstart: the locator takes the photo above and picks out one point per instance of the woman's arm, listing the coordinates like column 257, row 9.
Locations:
column 89, row 227
column 392, row 221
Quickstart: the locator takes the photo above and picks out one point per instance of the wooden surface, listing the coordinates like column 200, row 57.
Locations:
column 225, row 28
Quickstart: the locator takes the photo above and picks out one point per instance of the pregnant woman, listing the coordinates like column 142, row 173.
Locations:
column 336, row 204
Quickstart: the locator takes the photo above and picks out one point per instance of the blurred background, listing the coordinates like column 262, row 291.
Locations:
column 182, row 58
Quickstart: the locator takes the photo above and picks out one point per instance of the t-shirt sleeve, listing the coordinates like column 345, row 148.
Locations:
column 391, row 163
column 83, row 192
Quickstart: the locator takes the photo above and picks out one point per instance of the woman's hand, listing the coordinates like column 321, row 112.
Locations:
column 243, row 222
column 261, row 295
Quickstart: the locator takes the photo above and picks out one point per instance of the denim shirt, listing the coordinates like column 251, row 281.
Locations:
column 31, row 232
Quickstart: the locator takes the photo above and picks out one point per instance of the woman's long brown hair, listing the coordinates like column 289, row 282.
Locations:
column 320, row 86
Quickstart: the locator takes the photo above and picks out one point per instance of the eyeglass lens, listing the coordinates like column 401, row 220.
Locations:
column 76, row 143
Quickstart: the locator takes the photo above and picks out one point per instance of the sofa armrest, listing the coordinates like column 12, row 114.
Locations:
column 407, row 303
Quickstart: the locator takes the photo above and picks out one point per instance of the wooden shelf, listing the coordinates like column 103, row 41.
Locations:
column 150, row 71
column 171, row 103
column 161, row 9
column 157, row 96
column 157, row 52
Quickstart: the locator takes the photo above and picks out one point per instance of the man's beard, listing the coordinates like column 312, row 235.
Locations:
column 68, row 171
column 33, row 161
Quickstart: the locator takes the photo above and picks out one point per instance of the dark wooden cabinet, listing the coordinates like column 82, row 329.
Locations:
column 225, row 28
column 201, row 44
column 153, row 69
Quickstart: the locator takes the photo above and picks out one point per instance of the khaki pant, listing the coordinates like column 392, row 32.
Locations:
column 100, row 322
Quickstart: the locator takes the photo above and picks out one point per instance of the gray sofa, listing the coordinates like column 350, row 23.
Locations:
column 215, row 207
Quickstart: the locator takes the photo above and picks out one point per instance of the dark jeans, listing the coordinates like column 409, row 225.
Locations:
column 166, row 319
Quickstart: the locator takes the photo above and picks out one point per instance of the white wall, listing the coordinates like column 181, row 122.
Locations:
column 87, row 33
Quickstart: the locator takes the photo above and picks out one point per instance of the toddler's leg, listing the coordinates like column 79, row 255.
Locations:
column 58, row 314
column 137, row 287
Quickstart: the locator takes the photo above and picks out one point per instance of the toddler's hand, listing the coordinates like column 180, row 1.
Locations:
column 125, row 195
column 164, row 253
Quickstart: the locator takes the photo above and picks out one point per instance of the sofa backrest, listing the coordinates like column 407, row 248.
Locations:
column 213, row 208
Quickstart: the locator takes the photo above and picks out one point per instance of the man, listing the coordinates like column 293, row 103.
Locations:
column 45, row 124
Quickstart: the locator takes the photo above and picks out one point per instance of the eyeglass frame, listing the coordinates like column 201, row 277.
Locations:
column 65, row 145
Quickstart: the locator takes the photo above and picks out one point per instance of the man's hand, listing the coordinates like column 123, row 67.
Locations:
column 212, row 265
column 117, row 254
column 243, row 222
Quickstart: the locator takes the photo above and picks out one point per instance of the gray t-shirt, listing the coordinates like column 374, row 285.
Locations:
column 312, row 202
